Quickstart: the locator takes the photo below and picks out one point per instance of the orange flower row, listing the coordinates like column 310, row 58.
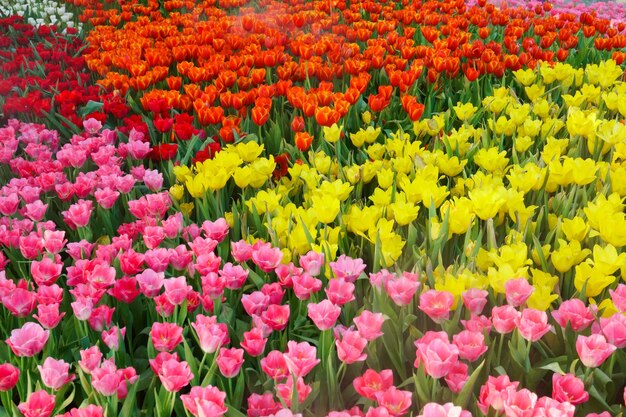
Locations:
column 321, row 56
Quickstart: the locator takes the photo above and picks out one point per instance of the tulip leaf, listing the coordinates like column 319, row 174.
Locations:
column 462, row 400
column 552, row 366
column 191, row 360
column 129, row 402
column 90, row 107
column 69, row 399
column 233, row 412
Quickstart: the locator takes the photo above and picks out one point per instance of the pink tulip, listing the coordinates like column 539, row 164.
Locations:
column 9, row 375
column 28, row 340
column 46, row 271
column 533, row 324
column 471, row 345
column 285, row 412
column 101, row 317
column 174, row 374
column 48, row 315
column 88, row 411
column 153, row 236
column 150, row 282
column 124, row 290
column 216, row 230
column 324, row 314
column 547, row 407
column 55, row 373
column 166, row 336
column 138, row 149
column 285, row 391
column 266, row 257
column 505, row 318
column 213, row 285
column 254, row 342
column 312, row 263
column 262, row 405
column 518, row 291
column 20, row 302
column 90, row 359
column 618, row 296
column 274, row 291
column 481, row 324
column 305, row 285
column 229, row 361
column 457, row 377
column 153, row 179
column 575, row 313
column 276, row 316
column 369, row 324
column 234, row 276
column 568, row 388
column 208, row 263
column 241, row 251
column 9, row 204
column 78, row 214
column 347, row 268
column 372, row 382
column 49, row 294
column 255, row 303
column 106, row 197
column 593, row 350
column 34, row 211
column 475, row 300
column 180, row 257
column 176, row 290
column 30, row 246
column 82, row 308
column 38, row 404
column 54, row 240
column 614, row 329
column 520, row 403
column 202, row 399
column 445, row 410
column 79, row 250
column 158, row 259
column 602, row 414
column 113, row 336
column 437, row 355
column 436, row 304
column 275, row 365
column 397, row 402
column 339, row 291
column 350, row 347
column 377, row 412
column 401, row 289
column 301, row 358
column 211, row 334
column 165, row 308
column 92, row 126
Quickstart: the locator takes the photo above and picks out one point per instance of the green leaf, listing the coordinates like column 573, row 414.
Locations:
column 69, row 399
column 191, row 360
column 90, row 107
column 233, row 412
column 129, row 402
column 462, row 400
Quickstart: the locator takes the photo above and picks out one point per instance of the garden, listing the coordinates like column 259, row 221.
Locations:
column 312, row 208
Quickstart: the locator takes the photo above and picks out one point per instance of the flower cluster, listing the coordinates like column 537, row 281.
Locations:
column 42, row 72
column 262, row 69
column 46, row 12
column 336, row 209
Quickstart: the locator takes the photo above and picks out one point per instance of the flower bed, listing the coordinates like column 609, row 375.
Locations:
column 313, row 209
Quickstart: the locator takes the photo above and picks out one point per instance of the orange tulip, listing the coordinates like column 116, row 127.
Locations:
column 303, row 140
